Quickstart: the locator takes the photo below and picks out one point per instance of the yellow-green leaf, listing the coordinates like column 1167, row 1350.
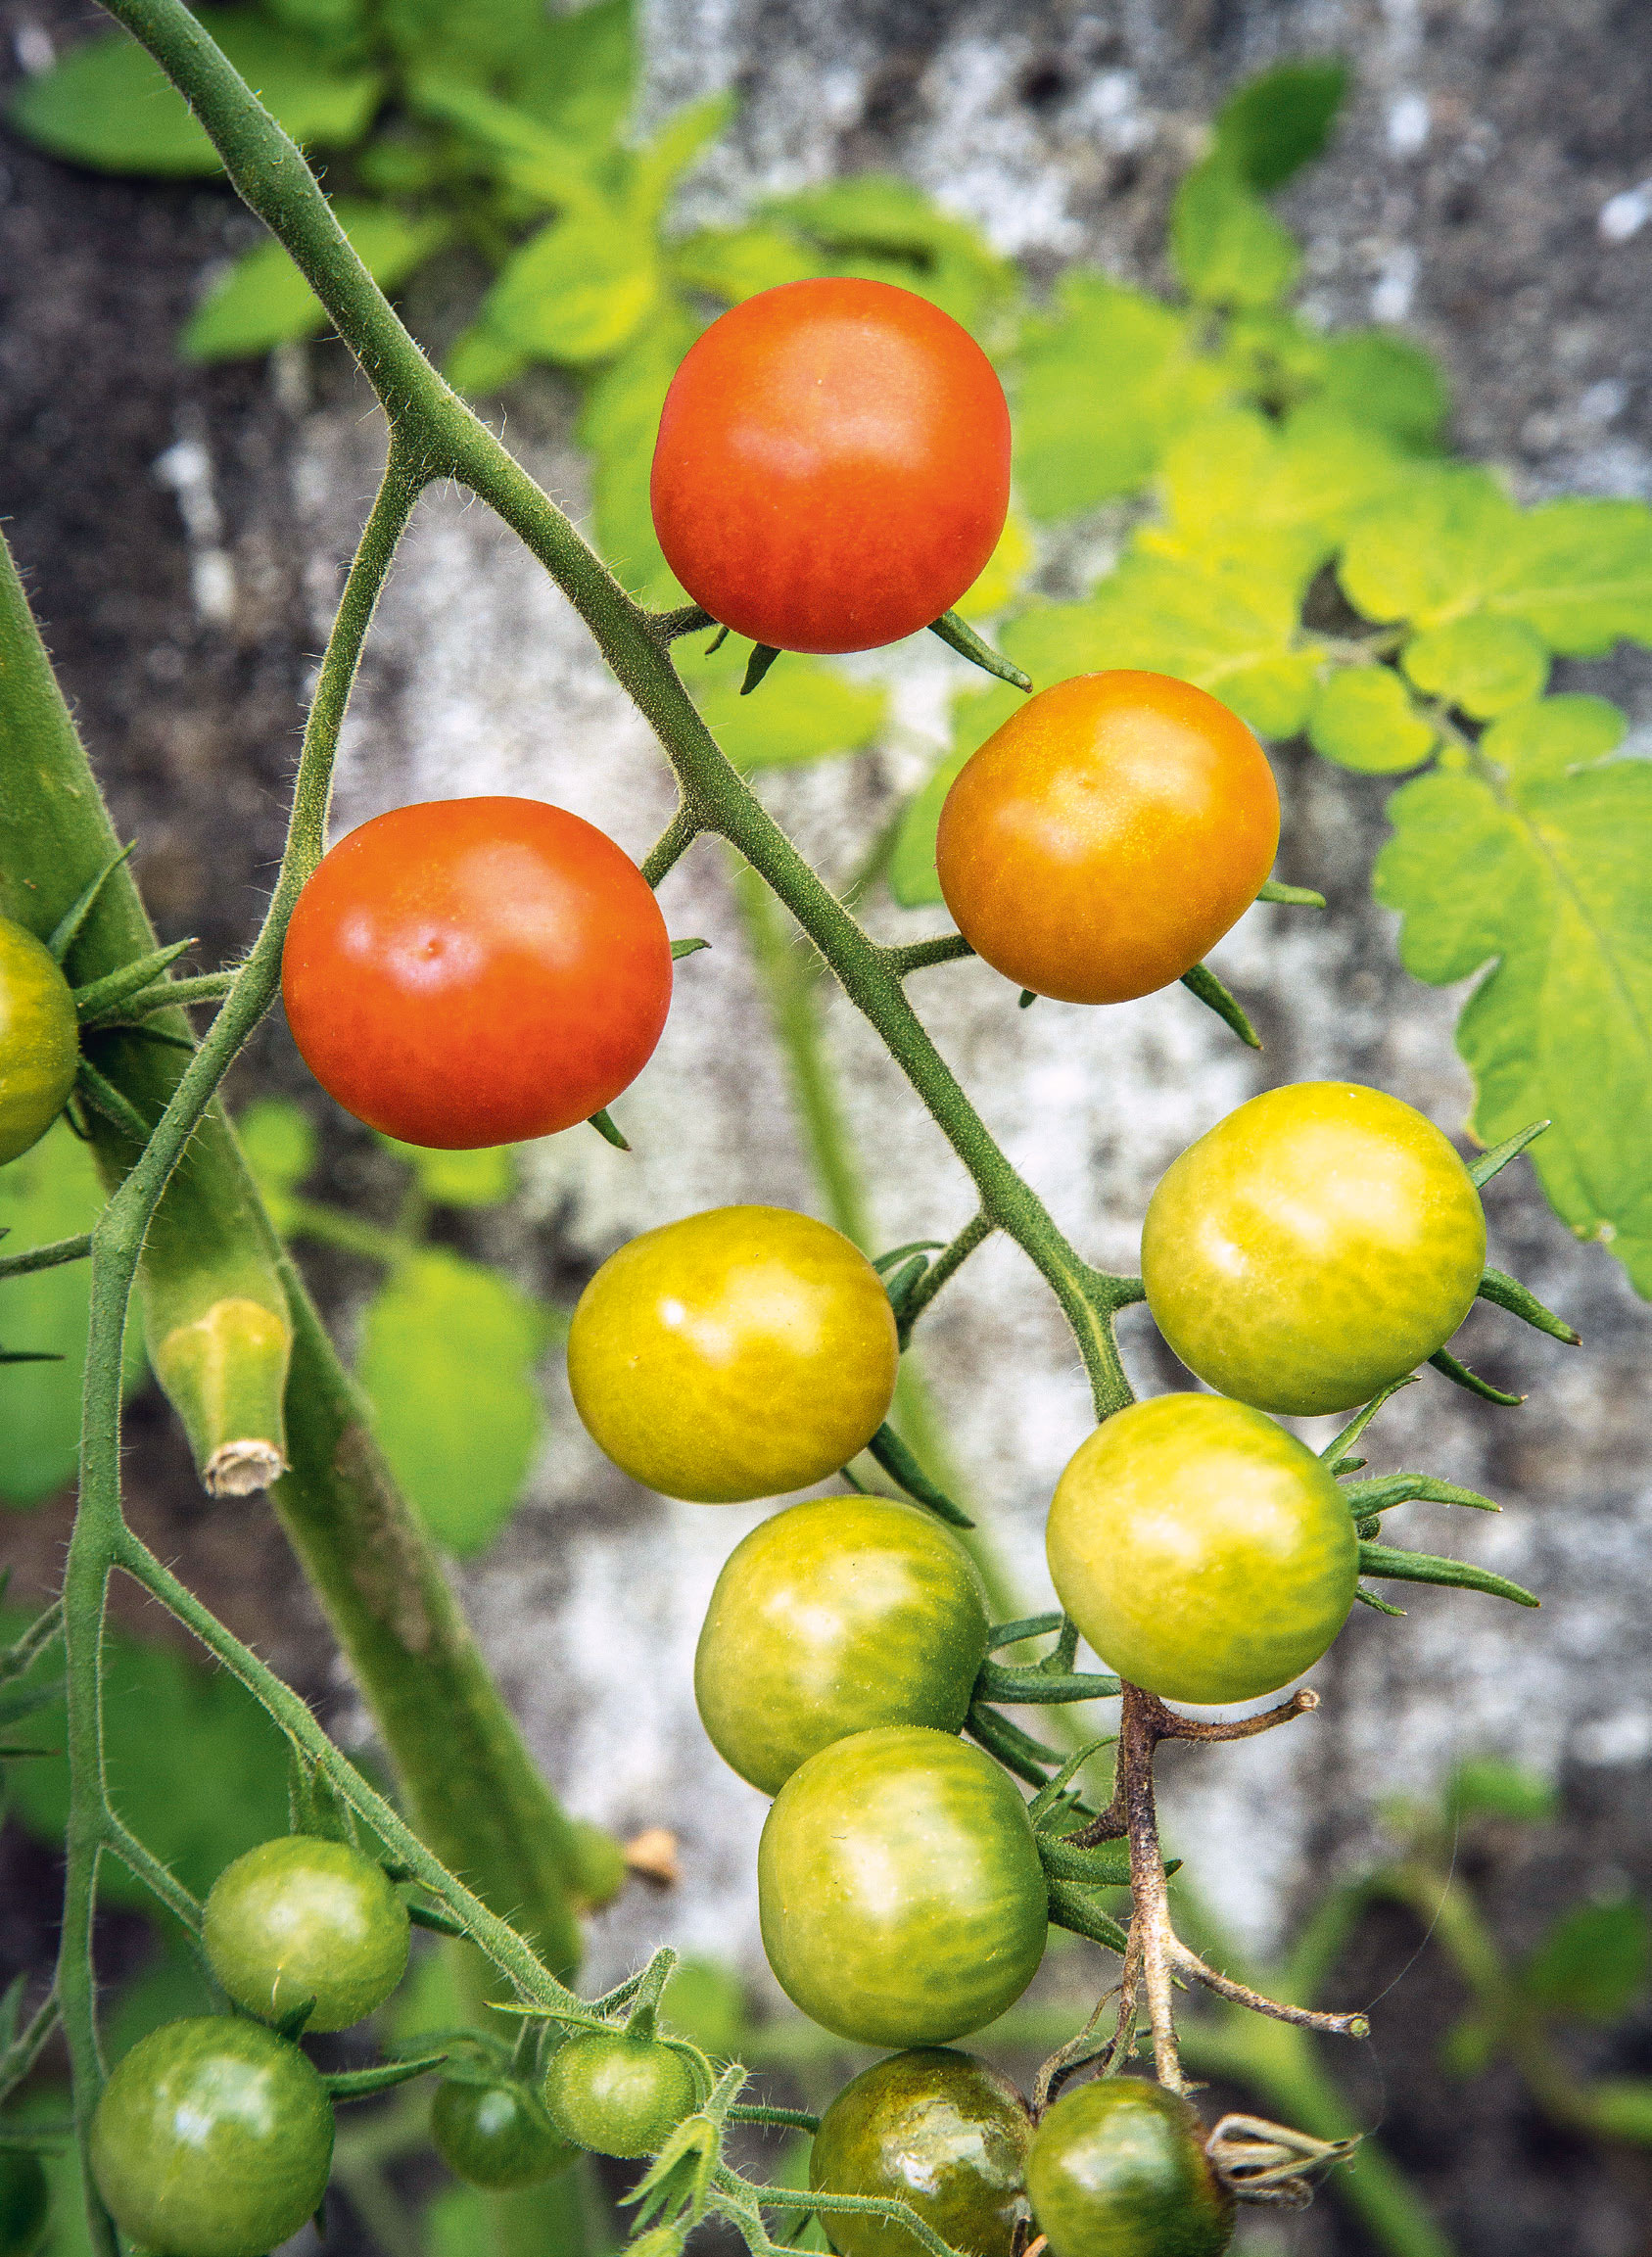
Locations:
column 264, row 301
column 912, row 864
column 1362, row 719
column 802, row 710
column 1228, row 246
column 578, row 291
column 1484, row 665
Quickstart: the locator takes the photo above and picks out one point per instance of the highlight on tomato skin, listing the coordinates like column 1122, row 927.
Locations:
column 1104, row 839
column 476, row 971
column 833, row 467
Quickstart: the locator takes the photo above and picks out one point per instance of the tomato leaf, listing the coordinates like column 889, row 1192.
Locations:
column 877, row 225
column 448, row 1351
column 1226, row 244
column 1364, row 718
column 108, row 105
column 1485, row 1787
column 482, row 1178
column 1280, row 120
column 1592, row 1963
column 618, row 423
column 264, row 301
column 1385, row 380
column 1484, row 665
column 912, row 864
column 1533, row 859
column 578, row 291
column 805, row 711
column 736, row 262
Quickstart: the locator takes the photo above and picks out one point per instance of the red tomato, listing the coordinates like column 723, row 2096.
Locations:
column 832, row 468
column 1107, row 835
column 474, row 971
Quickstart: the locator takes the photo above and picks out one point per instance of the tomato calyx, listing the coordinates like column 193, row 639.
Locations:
column 959, row 635
column 1261, row 2162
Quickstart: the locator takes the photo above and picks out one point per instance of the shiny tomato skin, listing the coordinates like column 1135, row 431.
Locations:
column 496, row 2135
column 476, row 971
column 1107, row 836
column 934, row 2128
column 213, row 2138
column 831, row 1618
column 39, row 1040
column 1316, row 1243
column 1118, row 2169
column 618, row 2095
column 299, row 1917
column 1205, row 1553
column 832, row 468
column 739, row 1353
column 900, row 1890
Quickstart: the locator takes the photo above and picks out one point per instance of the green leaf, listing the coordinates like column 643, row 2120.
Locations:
column 1227, row 245
column 1533, row 860
column 1232, row 633
column 51, row 1193
column 264, row 301
column 804, row 711
column 1277, row 123
column 336, row 24
column 1363, row 719
column 479, row 362
column 912, row 864
column 736, row 262
column 577, row 73
column 1101, row 390
column 578, row 291
column 705, row 2002
column 281, row 1148
column 492, row 43
column 1592, row 1963
column 196, row 1768
column 109, row 106
column 680, row 142
column 880, row 226
column 1485, row 1787
column 527, row 158
column 483, row 1178
column 1482, row 665
column 618, row 424
column 1002, row 572
column 1385, row 380
column 448, row 1360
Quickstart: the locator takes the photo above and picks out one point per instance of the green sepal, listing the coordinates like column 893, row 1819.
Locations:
column 439, row 1923
column 129, row 979
column 902, row 1468
column 1507, row 1292
column 887, row 1263
column 1029, row 1626
column 1105, row 1866
column 1027, row 998
column 362, row 2084
column 1370, row 1599
column 682, row 948
column 901, row 1284
column 958, row 637
column 291, row 2025
column 1054, row 1801
column 31, row 1356
column 602, row 1122
column 1299, row 896
column 1334, row 1451
column 1032, row 1688
column 763, row 656
column 74, row 916
column 1396, row 1565
column 1073, row 1907
column 104, row 1097
column 1390, row 1489
column 1492, row 1162
column 1203, row 982
column 1016, row 1750
column 1460, row 1376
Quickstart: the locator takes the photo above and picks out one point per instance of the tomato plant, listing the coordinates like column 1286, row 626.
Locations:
column 1120, row 2165
column 738, row 1353
column 302, row 1918
column 1319, row 1242
column 24, row 2204
column 900, row 1889
column 828, row 1618
column 940, row 2130
column 618, row 2093
column 1206, row 1553
column 212, row 2139
column 39, row 1040
column 832, row 468
column 495, row 2134
column 476, row 971
column 1058, row 838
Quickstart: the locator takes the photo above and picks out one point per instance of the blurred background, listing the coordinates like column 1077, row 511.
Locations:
column 1464, row 1831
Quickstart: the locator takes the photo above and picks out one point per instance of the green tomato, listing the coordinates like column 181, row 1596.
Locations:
column 1316, row 1243
column 25, row 2201
column 900, row 1890
column 302, row 1918
column 496, row 2135
column 212, row 2139
column 1119, row 2166
column 1206, row 1553
column 938, row 2129
column 39, row 1040
column 618, row 2095
column 739, row 1353
column 831, row 1618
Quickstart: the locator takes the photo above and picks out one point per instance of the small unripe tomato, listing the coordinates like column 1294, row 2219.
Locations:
column 832, row 469
column 302, row 1918
column 1319, row 1242
column 738, row 1353
column 831, row 1618
column 618, row 2096
column 496, row 2136
column 1119, row 2166
column 1107, row 836
column 937, row 2129
column 900, row 1890
column 39, row 1040
column 26, row 2202
column 476, row 971
column 212, row 2139
column 1206, row 1553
